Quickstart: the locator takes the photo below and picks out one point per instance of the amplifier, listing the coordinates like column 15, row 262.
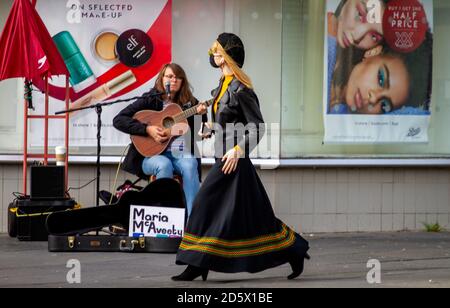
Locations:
column 47, row 182
column 26, row 218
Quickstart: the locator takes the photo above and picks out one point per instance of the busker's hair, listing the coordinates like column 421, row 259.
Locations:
column 185, row 94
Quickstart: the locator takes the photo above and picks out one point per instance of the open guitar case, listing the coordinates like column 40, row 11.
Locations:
column 92, row 229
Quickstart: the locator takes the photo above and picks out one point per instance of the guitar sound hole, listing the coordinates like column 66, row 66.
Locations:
column 168, row 122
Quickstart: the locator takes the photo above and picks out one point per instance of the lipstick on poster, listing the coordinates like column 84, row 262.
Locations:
column 106, row 90
column 81, row 75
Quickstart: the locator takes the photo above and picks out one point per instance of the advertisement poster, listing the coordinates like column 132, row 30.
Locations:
column 113, row 50
column 378, row 71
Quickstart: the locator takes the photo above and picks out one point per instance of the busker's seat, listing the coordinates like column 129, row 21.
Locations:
column 176, row 177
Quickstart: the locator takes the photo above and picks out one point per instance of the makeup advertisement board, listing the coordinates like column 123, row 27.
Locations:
column 113, row 50
column 378, row 71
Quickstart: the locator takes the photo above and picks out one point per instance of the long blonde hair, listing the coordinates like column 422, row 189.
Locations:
column 237, row 71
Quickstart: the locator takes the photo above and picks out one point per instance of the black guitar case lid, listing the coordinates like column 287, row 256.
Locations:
column 161, row 193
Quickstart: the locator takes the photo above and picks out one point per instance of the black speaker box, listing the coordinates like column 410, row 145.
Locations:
column 26, row 219
column 12, row 221
column 47, row 182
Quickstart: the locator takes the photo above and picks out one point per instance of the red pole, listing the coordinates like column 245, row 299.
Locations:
column 25, row 146
column 46, row 123
column 67, row 131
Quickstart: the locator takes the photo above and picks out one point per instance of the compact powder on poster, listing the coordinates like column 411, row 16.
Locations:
column 134, row 48
column 105, row 46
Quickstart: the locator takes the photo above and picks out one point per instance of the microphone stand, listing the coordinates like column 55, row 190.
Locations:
column 99, row 108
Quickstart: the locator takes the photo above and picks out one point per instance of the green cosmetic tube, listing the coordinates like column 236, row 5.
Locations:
column 81, row 75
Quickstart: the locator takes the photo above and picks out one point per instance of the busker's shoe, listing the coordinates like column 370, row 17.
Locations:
column 297, row 265
column 191, row 273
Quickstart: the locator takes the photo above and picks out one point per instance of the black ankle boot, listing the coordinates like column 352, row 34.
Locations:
column 297, row 265
column 191, row 273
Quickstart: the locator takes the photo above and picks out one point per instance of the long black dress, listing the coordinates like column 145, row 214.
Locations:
column 233, row 227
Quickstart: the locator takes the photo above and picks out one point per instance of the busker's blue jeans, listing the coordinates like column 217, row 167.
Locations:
column 165, row 165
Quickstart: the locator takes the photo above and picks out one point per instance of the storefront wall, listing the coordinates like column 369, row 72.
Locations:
column 310, row 200
column 285, row 44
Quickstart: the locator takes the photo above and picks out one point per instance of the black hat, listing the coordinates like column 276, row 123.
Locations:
column 233, row 46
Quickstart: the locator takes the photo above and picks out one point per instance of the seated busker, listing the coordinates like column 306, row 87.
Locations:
column 179, row 154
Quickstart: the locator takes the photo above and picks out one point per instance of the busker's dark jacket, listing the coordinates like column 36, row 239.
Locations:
column 125, row 123
column 239, row 106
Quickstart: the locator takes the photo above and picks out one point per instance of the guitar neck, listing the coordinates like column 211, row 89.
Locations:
column 190, row 112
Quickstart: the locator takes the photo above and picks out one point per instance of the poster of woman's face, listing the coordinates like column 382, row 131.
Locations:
column 359, row 23
column 379, row 57
column 371, row 74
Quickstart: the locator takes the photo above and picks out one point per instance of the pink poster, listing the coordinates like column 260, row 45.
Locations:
column 113, row 49
column 378, row 77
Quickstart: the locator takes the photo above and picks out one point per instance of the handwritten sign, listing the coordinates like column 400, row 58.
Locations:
column 161, row 222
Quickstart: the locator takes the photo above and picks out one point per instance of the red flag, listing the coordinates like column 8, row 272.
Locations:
column 26, row 47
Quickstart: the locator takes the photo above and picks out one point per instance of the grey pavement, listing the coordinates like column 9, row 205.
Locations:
column 407, row 259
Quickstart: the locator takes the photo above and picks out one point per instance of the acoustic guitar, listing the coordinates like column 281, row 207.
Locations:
column 172, row 117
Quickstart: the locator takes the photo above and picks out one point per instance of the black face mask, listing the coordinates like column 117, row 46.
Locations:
column 213, row 62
